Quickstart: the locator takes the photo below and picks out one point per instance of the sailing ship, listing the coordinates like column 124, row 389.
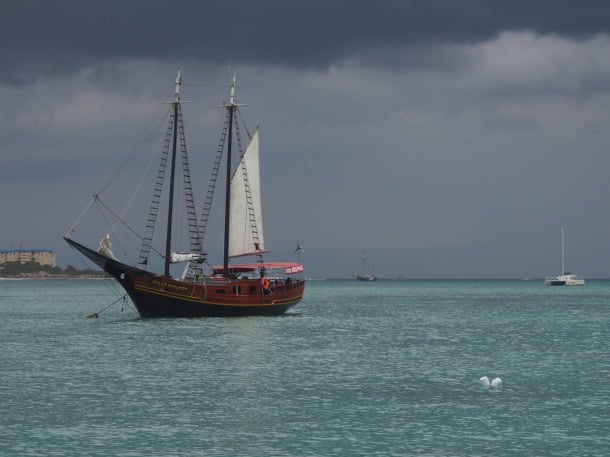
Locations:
column 565, row 278
column 231, row 289
column 364, row 276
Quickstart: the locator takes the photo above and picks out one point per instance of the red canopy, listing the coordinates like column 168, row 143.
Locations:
column 288, row 267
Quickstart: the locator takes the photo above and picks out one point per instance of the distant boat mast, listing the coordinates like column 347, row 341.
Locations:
column 563, row 253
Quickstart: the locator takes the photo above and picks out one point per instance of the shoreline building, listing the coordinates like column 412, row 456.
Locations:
column 21, row 255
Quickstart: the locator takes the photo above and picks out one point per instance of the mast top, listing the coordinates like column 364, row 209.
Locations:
column 231, row 103
column 178, row 84
column 232, row 98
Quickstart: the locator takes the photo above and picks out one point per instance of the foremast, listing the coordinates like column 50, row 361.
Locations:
column 170, row 210
column 175, row 142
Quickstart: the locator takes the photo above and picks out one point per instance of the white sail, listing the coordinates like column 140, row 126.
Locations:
column 246, row 218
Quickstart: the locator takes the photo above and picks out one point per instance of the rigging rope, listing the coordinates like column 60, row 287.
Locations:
column 151, row 131
column 243, row 122
column 80, row 217
column 125, row 224
column 205, row 85
column 147, row 137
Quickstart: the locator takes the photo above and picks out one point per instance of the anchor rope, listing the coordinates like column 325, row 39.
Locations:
column 96, row 314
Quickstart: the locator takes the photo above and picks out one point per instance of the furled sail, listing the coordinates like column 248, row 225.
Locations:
column 246, row 219
column 105, row 248
column 177, row 257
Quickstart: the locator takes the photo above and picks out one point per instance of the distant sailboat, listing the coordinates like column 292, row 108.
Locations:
column 364, row 276
column 256, row 288
column 565, row 278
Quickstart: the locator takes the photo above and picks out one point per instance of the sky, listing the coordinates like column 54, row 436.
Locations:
column 447, row 139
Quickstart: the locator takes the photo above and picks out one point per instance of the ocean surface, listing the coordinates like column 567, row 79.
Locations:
column 357, row 369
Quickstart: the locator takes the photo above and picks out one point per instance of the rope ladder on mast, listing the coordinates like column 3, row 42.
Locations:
column 156, row 198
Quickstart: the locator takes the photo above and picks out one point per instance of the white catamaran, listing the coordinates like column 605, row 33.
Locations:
column 565, row 278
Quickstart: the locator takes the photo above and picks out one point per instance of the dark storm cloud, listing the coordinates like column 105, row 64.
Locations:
column 42, row 37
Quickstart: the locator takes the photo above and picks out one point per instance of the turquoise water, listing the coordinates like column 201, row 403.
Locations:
column 356, row 369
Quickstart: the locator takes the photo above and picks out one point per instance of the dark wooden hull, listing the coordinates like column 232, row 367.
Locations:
column 161, row 296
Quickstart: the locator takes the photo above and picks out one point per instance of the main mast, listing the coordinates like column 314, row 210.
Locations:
column 170, row 209
column 231, row 108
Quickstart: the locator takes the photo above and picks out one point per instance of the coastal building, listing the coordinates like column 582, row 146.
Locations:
column 41, row 256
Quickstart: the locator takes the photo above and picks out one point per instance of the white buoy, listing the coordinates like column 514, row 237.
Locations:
column 485, row 381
